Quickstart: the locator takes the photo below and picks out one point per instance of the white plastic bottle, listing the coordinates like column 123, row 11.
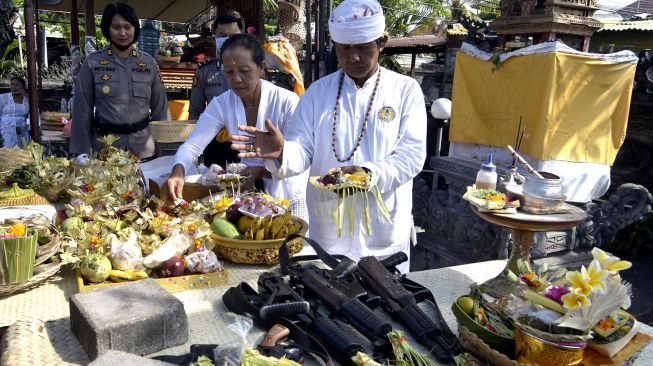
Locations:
column 486, row 178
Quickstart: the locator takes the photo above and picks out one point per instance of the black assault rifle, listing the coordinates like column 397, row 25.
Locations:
column 284, row 302
column 400, row 298
column 341, row 298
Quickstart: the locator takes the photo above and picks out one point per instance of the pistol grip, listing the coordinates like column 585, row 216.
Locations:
column 275, row 335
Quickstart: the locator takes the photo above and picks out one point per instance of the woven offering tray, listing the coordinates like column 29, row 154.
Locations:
column 171, row 284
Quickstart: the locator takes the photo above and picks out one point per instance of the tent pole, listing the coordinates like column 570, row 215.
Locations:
column 31, row 71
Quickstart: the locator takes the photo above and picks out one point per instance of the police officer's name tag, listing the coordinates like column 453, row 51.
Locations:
column 387, row 114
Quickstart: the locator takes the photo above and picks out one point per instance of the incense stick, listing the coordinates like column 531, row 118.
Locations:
column 524, row 162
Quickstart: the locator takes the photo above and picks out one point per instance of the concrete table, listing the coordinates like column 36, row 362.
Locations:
column 524, row 226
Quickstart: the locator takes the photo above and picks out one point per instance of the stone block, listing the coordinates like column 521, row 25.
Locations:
column 112, row 358
column 139, row 317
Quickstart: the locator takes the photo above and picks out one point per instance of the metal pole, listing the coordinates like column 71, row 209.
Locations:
column 319, row 38
column 412, row 65
column 31, row 71
column 39, row 61
column 309, row 48
column 75, row 55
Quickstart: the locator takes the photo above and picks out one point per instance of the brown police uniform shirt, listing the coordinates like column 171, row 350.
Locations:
column 208, row 82
column 122, row 91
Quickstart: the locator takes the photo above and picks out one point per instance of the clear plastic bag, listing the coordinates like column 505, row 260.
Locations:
column 203, row 262
column 126, row 254
column 210, row 176
column 231, row 353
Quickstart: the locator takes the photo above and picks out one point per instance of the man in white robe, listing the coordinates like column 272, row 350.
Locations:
column 379, row 127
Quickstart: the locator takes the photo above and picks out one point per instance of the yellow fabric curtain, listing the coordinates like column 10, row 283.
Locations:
column 573, row 107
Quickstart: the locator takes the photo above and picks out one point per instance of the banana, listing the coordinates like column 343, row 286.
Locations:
column 266, row 224
column 137, row 275
column 260, row 234
column 117, row 275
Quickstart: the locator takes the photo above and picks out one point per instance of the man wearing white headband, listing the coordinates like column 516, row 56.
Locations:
column 363, row 117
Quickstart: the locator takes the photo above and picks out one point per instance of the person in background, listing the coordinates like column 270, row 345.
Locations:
column 14, row 109
column 122, row 85
column 361, row 118
column 250, row 101
column 209, row 82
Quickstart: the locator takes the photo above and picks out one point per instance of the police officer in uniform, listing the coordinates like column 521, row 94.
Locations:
column 209, row 82
column 124, row 87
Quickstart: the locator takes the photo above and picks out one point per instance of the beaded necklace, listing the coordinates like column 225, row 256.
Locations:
column 367, row 114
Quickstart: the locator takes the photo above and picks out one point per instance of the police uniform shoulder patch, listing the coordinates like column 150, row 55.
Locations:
column 109, row 52
column 387, row 114
column 134, row 52
column 104, row 62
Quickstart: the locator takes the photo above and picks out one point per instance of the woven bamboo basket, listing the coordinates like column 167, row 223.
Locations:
column 14, row 157
column 171, row 131
column 256, row 251
column 16, row 196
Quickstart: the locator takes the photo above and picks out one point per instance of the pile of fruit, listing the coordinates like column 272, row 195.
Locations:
column 254, row 217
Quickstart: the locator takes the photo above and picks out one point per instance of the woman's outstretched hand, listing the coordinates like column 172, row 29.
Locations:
column 175, row 182
column 259, row 144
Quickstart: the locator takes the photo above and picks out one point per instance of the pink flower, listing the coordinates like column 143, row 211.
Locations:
column 251, row 30
column 556, row 293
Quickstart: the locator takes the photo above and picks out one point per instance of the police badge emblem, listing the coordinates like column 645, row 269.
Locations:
column 105, row 77
column 142, row 64
column 104, row 62
column 387, row 114
column 106, row 89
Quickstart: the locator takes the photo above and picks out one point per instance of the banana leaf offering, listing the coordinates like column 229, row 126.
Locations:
column 17, row 253
column 350, row 190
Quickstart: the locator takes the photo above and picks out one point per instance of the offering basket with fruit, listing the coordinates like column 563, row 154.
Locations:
column 251, row 228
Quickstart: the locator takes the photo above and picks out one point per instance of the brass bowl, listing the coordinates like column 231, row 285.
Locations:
column 540, row 205
column 536, row 351
column 256, row 251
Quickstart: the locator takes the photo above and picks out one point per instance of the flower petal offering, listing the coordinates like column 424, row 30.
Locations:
column 489, row 199
column 337, row 180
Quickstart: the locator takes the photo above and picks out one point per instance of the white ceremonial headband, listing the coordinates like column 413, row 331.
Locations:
column 347, row 26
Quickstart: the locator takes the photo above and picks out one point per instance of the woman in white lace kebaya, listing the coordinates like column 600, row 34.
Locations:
column 14, row 110
column 250, row 101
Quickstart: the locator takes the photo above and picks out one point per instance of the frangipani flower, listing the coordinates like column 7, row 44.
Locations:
column 575, row 300
column 609, row 262
column 585, row 280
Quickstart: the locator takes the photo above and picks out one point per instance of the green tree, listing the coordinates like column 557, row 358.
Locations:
column 403, row 15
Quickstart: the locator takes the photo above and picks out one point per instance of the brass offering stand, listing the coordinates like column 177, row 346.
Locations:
column 524, row 226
